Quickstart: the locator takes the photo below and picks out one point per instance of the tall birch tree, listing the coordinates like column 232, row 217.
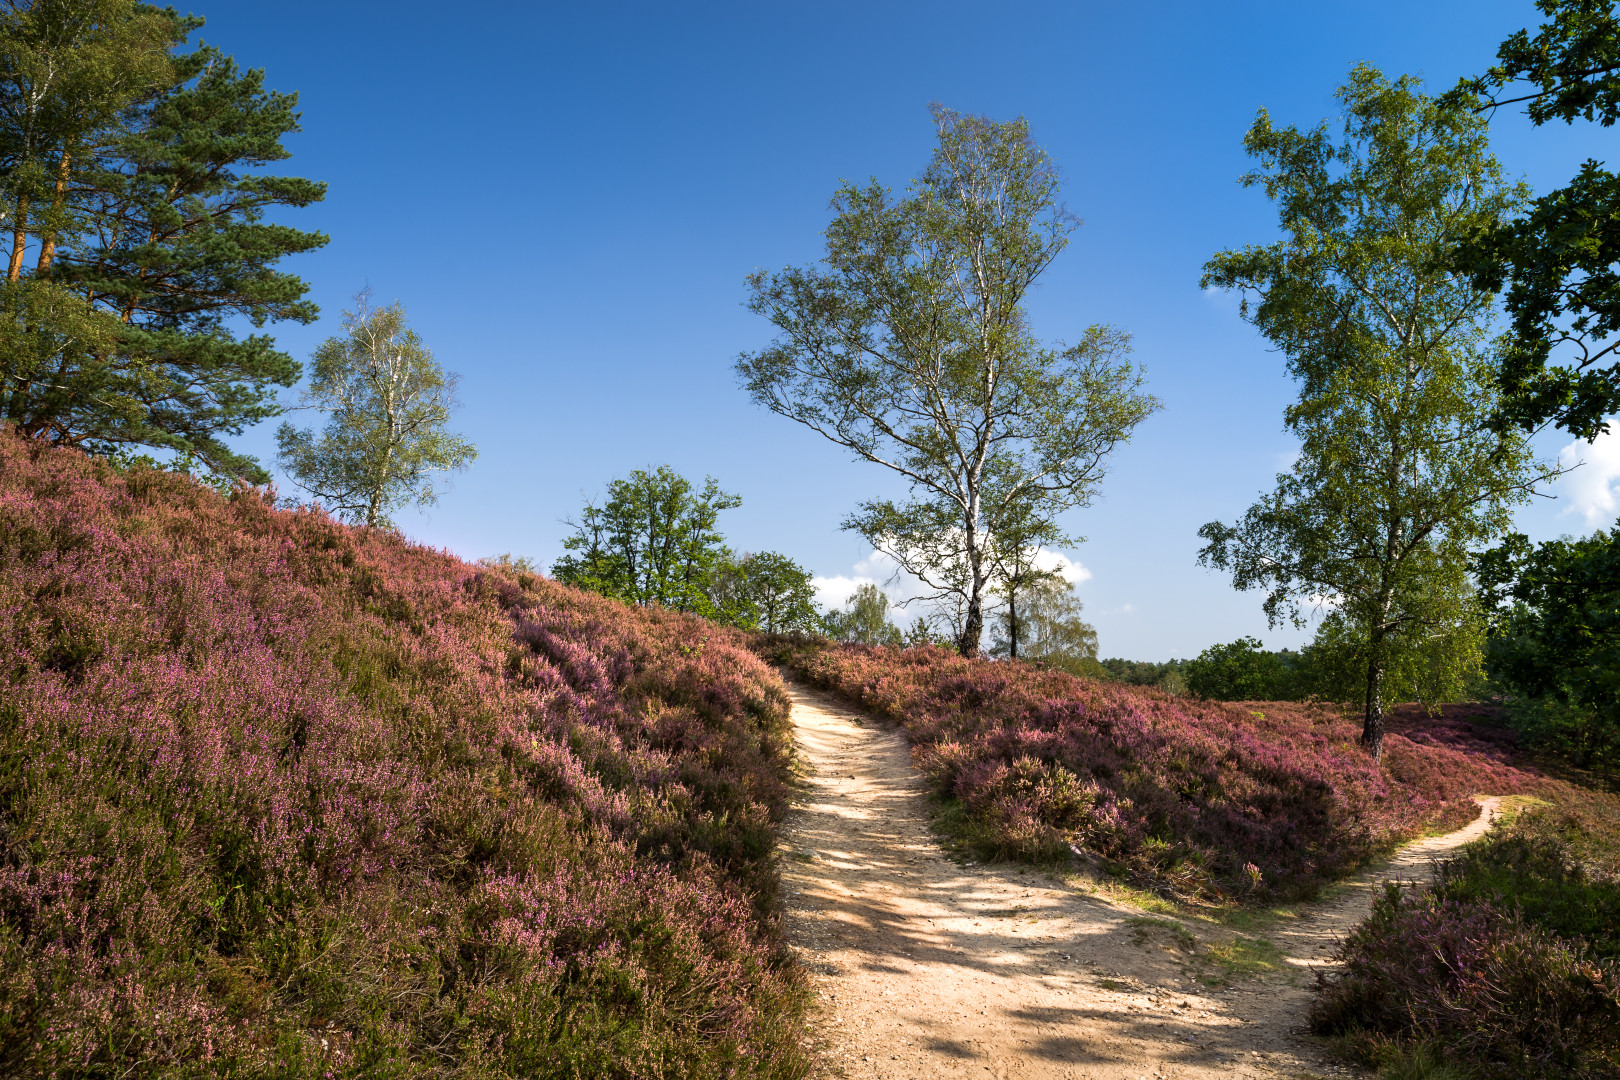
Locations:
column 385, row 445
column 911, row 347
column 1400, row 470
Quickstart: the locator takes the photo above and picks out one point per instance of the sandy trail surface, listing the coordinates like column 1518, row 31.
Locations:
column 929, row 968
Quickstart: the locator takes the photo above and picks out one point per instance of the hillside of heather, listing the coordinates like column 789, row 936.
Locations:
column 279, row 796
column 1196, row 799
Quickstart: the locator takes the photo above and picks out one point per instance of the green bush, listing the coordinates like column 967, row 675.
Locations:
column 1243, row 670
column 1555, row 642
column 1550, row 866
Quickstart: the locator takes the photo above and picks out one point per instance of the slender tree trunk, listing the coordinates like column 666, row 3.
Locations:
column 19, row 239
column 379, row 486
column 973, row 621
column 972, row 630
column 1372, row 729
column 47, row 244
column 1012, row 623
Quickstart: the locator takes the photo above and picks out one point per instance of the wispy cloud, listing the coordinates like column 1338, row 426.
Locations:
column 876, row 569
column 1070, row 570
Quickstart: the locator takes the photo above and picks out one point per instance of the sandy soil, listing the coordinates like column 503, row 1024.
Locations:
column 929, row 968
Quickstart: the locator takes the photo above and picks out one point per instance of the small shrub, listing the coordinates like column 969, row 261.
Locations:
column 1536, row 866
column 1507, row 966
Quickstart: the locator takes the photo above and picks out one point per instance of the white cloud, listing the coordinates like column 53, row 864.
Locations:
column 1071, row 571
column 876, row 569
column 834, row 592
column 1590, row 486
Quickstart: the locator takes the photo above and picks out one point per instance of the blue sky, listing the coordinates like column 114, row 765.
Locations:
column 568, row 197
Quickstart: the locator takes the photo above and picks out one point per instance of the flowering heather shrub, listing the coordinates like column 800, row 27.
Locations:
column 1211, row 799
column 1558, row 867
column 1509, row 964
column 280, row 797
column 1478, row 982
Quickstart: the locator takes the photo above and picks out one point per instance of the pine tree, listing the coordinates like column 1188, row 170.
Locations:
column 151, row 237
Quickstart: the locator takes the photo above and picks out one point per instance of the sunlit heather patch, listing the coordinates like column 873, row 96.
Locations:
column 1201, row 799
column 280, row 794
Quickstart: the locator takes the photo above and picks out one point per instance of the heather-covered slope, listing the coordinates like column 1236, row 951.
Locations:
column 1191, row 797
column 279, row 797
column 1507, row 965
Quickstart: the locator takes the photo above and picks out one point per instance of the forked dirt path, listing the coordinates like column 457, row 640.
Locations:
column 927, row 969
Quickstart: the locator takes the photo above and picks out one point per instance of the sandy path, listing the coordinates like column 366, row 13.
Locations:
column 929, row 969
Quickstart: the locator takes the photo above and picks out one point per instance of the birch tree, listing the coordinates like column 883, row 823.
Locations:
column 911, row 347
column 1400, row 470
column 387, row 400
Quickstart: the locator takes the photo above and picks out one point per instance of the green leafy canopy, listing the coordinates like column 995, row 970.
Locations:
column 1556, row 260
column 910, row 346
column 1400, row 471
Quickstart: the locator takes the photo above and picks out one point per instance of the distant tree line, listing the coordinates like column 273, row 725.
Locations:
column 654, row 539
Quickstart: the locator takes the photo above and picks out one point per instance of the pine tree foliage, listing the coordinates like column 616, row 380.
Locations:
column 132, row 179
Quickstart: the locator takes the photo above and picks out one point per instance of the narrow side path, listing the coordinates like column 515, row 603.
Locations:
column 927, row 970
